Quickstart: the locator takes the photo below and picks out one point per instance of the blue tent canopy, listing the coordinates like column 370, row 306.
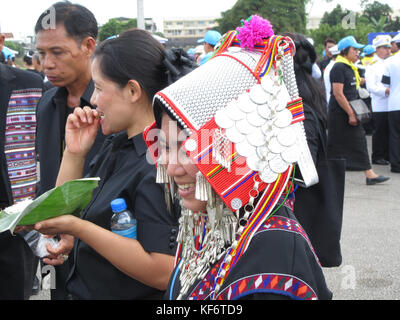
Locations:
column 8, row 53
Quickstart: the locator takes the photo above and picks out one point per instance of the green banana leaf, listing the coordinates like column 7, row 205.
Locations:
column 70, row 198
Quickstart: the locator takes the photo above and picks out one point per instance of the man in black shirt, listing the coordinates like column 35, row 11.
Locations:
column 328, row 43
column 66, row 39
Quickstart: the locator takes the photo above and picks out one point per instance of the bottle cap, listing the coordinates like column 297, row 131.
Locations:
column 118, row 205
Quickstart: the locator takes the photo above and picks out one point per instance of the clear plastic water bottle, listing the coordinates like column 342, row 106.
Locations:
column 122, row 222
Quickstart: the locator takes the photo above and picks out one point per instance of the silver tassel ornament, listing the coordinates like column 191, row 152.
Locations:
column 202, row 187
column 162, row 176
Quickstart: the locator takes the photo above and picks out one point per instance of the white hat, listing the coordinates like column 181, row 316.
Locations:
column 382, row 41
column 396, row 38
column 334, row 50
column 199, row 49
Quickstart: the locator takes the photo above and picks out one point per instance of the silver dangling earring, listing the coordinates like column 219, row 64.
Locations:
column 204, row 191
column 162, row 176
column 169, row 185
column 202, row 186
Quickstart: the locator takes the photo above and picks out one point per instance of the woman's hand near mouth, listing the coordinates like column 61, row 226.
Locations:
column 81, row 130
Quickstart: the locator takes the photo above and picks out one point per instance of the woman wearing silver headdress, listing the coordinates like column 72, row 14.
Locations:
column 231, row 147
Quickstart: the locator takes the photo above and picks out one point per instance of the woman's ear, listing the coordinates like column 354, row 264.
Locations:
column 135, row 91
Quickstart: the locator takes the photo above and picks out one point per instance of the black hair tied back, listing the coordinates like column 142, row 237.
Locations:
column 178, row 64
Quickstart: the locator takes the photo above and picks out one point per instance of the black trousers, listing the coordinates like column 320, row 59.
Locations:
column 394, row 139
column 380, row 136
column 17, row 268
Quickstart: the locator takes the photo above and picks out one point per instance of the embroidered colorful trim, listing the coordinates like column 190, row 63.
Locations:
column 269, row 283
column 19, row 147
column 205, row 288
column 286, row 224
column 260, row 215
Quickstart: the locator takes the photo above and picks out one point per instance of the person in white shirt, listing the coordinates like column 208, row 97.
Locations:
column 396, row 44
column 327, row 81
column 316, row 71
column 391, row 78
column 379, row 100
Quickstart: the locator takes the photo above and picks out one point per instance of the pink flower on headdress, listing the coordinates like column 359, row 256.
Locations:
column 253, row 31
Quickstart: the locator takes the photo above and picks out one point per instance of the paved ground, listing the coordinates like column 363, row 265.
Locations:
column 370, row 241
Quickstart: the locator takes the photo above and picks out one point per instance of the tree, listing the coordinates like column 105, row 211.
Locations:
column 114, row 27
column 393, row 25
column 379, row 25
column 285, row 16
column 16, row 47
column 375, row 18
column 337, row 32
column 334, row 17
column 376, row 11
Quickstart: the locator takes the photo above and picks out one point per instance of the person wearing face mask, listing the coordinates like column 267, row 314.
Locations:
column 127, row 72
column 346, row 136
column 220, row 155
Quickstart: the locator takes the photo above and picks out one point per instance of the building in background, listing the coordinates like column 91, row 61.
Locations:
column 184, row 32
column 313, row 22
column 150, row 25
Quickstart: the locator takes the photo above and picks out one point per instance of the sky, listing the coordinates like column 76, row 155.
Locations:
column 19, row 16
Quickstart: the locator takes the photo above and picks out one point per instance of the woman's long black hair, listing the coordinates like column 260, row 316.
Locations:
column 309, row 89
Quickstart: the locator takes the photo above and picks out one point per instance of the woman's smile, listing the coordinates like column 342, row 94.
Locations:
column 186, row 190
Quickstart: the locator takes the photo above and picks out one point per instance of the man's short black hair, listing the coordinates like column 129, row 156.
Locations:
column 329, row 40
column 78, row 21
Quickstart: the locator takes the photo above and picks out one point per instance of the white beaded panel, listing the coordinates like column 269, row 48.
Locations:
column 204, row 91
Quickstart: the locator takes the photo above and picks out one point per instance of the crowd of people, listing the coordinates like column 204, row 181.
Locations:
column 84, row 109
column 350, row 75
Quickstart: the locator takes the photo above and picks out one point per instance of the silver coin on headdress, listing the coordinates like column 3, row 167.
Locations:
column 234, row 135
column 264, row 111
column 245, row 104
column 287, row 137
column 268, row 176
column 283, row 99
column 291, row 155
column 283, row 119
column 257, row 138
column 274, row 146
column 278, row 165
column 254, row 163
column 265, row 154
column 258, row 95
column 233, row 111
column 255, row 119
column 269, row 85
column 244, row 127
column 268, row 128
column 245, row 149
column 222, row 119
column 273, row 104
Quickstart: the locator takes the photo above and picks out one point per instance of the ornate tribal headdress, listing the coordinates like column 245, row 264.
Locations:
column 243, row 117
